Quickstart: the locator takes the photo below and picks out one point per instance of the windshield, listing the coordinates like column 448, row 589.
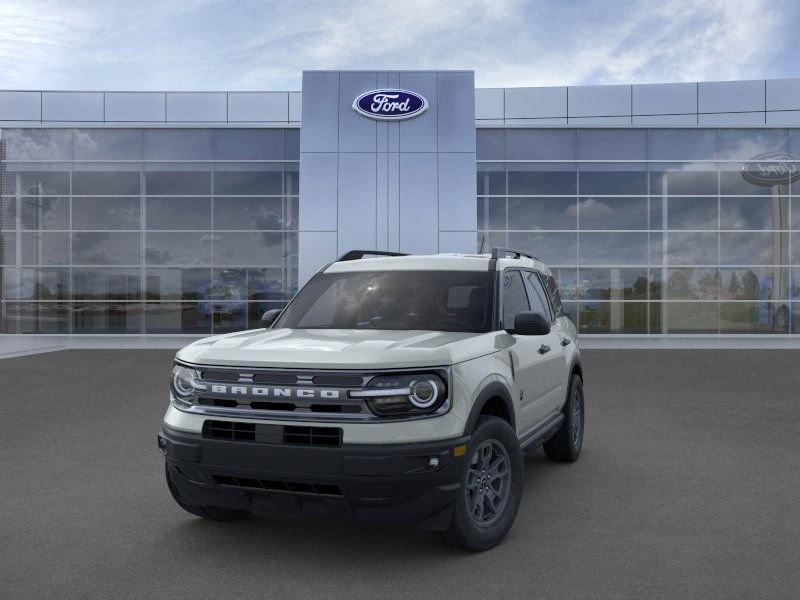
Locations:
column 434, row 300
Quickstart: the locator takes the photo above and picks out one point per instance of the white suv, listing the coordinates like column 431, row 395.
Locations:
column 391, row 388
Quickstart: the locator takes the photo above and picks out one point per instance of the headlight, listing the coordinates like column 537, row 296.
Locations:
column 184, row 382
column 405, row 394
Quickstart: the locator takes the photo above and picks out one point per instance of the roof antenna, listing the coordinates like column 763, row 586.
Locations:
column 483, row 241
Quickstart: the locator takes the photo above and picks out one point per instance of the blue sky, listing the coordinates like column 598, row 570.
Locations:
column 248, row 45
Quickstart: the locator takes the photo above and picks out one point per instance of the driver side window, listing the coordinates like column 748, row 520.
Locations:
column 515, row 299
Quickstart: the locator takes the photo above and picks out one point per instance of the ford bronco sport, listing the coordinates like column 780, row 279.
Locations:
column 391, row 388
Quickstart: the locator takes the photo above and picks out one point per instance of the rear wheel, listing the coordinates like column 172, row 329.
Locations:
column 214, row 513
column 565, row 445
column 491, row 488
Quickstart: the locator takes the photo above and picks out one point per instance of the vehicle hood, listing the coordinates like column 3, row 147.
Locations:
column 338, row 348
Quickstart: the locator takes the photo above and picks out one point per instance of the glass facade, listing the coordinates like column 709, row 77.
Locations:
column 146, row 230
column 650, row 230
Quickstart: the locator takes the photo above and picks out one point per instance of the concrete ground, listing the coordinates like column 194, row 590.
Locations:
column 688, row 487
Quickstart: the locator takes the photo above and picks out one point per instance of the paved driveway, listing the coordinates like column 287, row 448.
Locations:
column 688, row 487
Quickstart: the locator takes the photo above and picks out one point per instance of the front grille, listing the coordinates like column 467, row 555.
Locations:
column 269, row 485
column 312, row 436
column 229, row 430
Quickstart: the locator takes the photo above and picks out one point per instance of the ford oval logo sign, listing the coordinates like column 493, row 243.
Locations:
column 390, row 105
column 772, row 168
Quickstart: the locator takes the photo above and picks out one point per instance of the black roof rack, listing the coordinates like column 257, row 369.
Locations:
column 504, row 252
column 359, row 254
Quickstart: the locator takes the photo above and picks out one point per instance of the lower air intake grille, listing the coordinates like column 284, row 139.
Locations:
column 229, row 430
column 312, row 436
column 290, row 487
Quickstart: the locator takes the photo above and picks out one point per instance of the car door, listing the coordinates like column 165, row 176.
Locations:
column 530, row 366
column 555, row 357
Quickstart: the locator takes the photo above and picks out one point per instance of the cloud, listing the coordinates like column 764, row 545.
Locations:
column 214, row 44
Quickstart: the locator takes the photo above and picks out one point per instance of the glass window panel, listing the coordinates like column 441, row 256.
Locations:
column 248, row 144
column 291, row 179
column 248, row 213
column 754, row 317
column 736, row 143
column 41, row 183
column 656, row 215
column 101, row 317
column 691, row 213
column 265, row 284
column 732, row 182
column 229, row 284
column 693, row 284
column 177, row 284
column 45, row 284
column 692, row 248
column 45, row 212
column 8, row 213
column 655, row 249
column 178, row 183
column 612, row 144
column 184, row 317
column 656, row 278
column 178, row 144
column 491, row 179
column 229, row 316
column 106, row 283
column 250, row 248
column 690, row 317
column 515, row 298
column 794, row 258
column 612, row 284
column 757, row 248
column 103, row 248
column 566, row 281
column 795, row 216
column 291, row 213
column 542, row 213
column 491, row 213
column 656, row 309
column 613, row 317
column 178, row 248
column 612, row 182
column 38, row 144
column 8, row 248
column 795, row 316
column 105, row 213
column 794, row 290
column 541, row 144
column 291, row 140
column 491, row 144
column 98, row 183
column 683, row 180
column 755, row 283
column 754, row 213
column 571, row 311
column 613, row 249
column 49, row 248
column 108, row 144
column 536, row 180
column 551, row 248
column 612, row 213
column 174, row 212
column 248, row 183
column 682, row 144
column 9, row 283
column 537, row 296
column 33, row 317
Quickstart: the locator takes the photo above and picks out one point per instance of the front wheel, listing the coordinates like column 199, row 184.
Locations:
column 491, row 488
column 565, row 445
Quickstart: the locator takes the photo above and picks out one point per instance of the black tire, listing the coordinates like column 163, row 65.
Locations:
column 465, row 530
column 565, row 445
column 213, row 513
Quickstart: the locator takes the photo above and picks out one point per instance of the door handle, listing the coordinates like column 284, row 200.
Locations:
column 565, row 341
column 544, row 349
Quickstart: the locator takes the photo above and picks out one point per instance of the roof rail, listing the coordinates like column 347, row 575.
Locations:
column 359, row 254
column 504, row 252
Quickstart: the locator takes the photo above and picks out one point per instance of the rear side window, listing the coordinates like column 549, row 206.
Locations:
column 555, row 298
column 537, row 295
column 515, row 299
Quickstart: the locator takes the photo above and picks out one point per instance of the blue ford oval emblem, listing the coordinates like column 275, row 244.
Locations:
column 390, row 105
column 772, row 168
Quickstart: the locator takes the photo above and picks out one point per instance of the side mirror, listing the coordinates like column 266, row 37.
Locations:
column 531, row 323
column 269, row 317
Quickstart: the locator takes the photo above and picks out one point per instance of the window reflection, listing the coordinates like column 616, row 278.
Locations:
column 541, row 213
column 612, row 213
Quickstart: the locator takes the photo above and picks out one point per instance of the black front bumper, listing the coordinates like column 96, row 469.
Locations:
column 390, row 483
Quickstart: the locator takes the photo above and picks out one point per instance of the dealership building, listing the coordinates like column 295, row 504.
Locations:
column 661, row 208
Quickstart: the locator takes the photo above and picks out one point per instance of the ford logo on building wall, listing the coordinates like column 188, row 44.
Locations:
column 390, row 105
column 772, row 168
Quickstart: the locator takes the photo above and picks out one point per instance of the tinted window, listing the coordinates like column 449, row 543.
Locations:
column 538, row 300
column 555, row 298
column 393, row 300
column 515, row 299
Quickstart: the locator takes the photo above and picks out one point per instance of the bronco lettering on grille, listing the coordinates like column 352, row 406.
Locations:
column 275, row 392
